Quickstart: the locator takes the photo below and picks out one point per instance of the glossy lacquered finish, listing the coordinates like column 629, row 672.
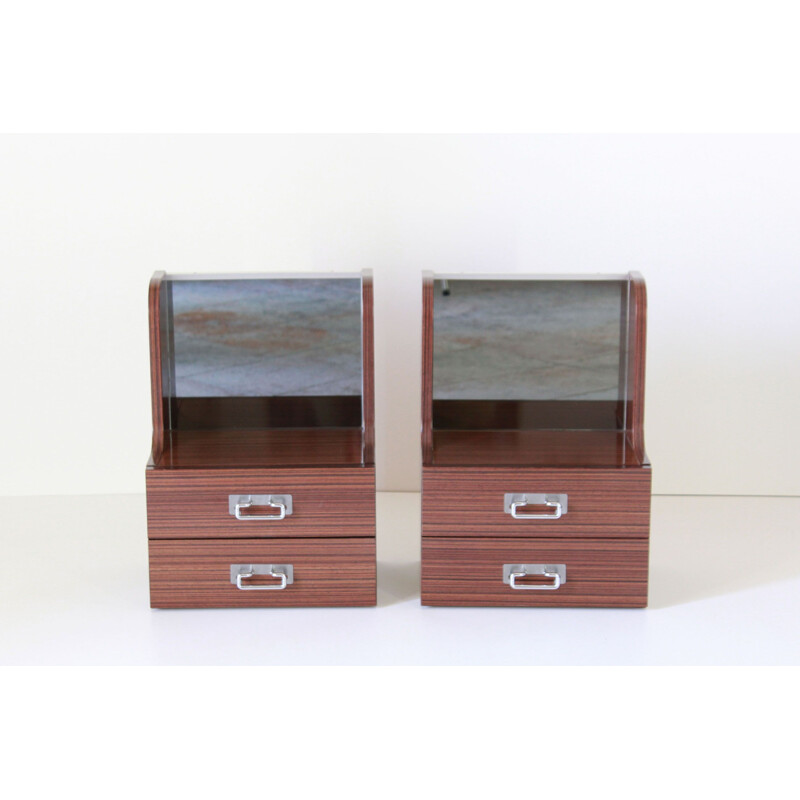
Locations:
column 534, row 448
column 295, row 447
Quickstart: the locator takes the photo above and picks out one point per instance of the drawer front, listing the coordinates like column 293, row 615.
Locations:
column 599, row 502
column 197, row 574
column 194, row 504
column 469, row 572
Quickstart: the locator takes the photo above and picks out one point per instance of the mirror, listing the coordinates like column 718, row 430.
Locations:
column 266, row 337
column 535, row 353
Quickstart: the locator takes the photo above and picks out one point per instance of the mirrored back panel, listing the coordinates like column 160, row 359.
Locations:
column 262, row 352
column 530, row 354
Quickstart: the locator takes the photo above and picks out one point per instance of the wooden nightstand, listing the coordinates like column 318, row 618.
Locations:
column 535, row 481
column 261, row 480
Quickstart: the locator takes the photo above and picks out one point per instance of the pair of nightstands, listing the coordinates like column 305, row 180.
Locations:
column 261, row 482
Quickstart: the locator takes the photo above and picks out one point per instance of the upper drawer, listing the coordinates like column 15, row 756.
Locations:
column 463, row 501
column 193, row 504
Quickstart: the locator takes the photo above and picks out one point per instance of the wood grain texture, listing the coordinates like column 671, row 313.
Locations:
column 468, row 502
column 532, row 448
column 636, row 365
column 193, row 504
column 156, row 392
column 427, row 367
column 368, row 367
column 265, row 447
column 469, row 572
column 327, row 572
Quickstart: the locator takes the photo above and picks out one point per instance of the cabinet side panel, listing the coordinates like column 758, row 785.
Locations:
column 156, row 367
column 368, row 366
column 427, row 368
column 637, row 343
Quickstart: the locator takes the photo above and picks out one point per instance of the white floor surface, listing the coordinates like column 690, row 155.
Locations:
column 724, row 589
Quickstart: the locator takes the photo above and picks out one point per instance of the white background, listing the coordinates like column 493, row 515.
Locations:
column 437, row 65
column 711, row 221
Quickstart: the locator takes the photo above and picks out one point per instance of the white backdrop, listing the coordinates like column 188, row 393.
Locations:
column 713, row 222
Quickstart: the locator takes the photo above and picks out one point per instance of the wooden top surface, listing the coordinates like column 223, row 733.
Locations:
column 276, row 447
column 540, row 448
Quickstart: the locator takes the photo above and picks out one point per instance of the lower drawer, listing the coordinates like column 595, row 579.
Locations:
column 324, row 572
column 597, row 572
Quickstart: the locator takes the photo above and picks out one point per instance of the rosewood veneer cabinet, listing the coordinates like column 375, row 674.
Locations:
column 536, row 485
column 261, row 480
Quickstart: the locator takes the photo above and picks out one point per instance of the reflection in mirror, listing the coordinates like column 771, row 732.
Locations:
column 528, row 353
column 266, row 338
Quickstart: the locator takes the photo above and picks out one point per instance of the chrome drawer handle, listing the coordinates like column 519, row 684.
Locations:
column 240, row 572
column 239, row 507
column 556, row 572
column 238, row 502
column 512, row 502
column 241, row 576
column 514, row 575
column 522, row 503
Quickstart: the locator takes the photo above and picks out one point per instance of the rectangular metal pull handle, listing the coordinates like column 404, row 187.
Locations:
column 237, row 503
column 544, row 586
column 556, row 572
column 513, row 502
column 241, row 572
